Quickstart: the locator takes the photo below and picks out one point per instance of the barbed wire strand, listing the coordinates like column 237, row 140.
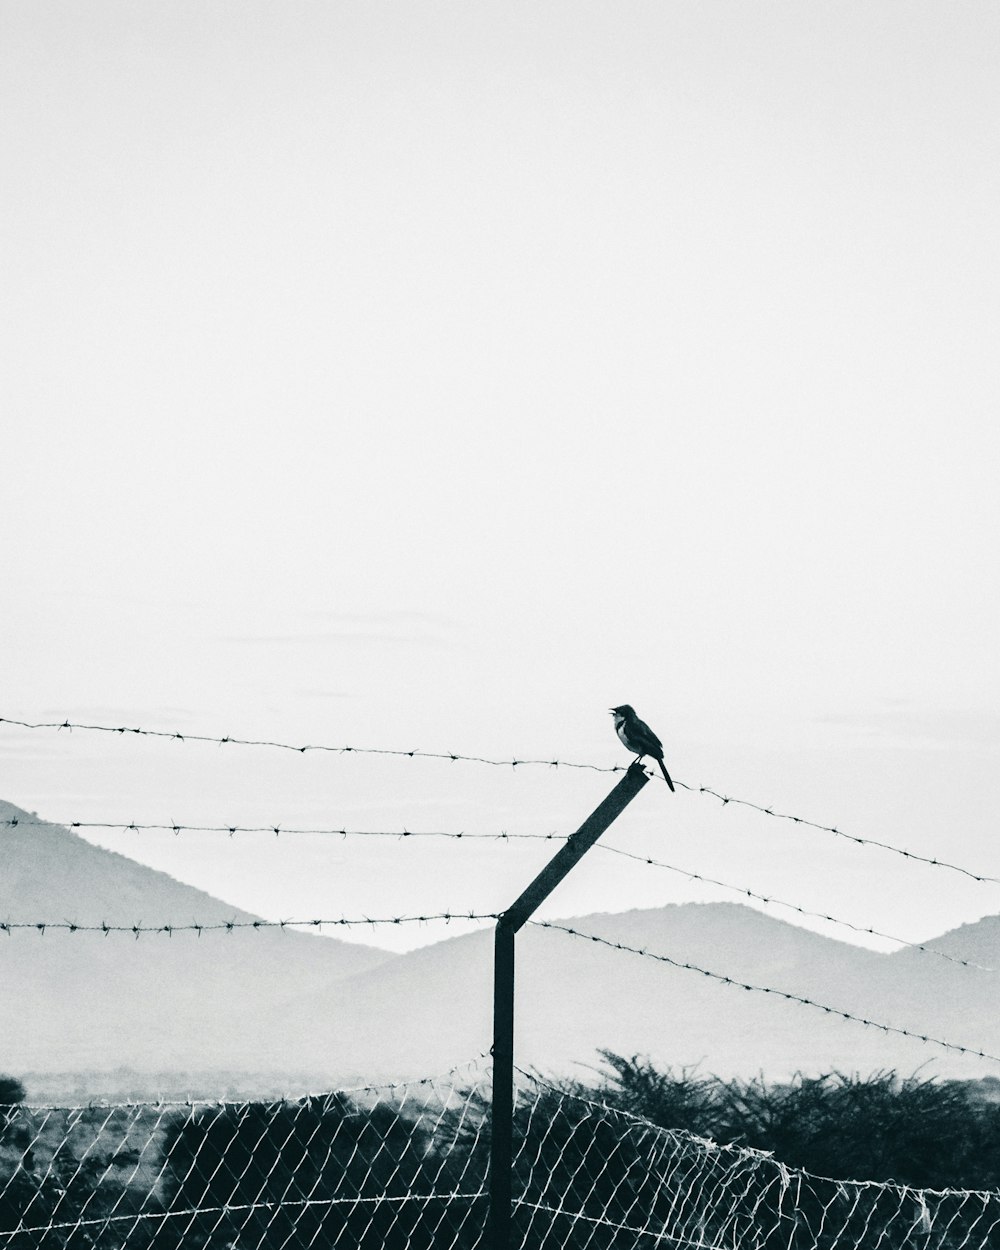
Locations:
column 778, row 902
column 724, row 799
column 175, row 827
column 229, row 926
column 933, row 861
column 763, row 989
column 230, row 740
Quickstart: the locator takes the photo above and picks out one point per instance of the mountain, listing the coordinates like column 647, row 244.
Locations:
column 75, row 1002
column 431, row 1008
column 281, row 1003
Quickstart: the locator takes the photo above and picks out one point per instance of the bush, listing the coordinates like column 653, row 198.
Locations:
column 883, row 1127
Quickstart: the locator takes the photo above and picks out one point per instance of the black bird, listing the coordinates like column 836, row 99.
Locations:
column 637, row 737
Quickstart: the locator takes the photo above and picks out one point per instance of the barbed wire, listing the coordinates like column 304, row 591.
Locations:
column 763, row 989
column 934, row 861
column 229, row 926
column 176, row 827
column 724, row 799
column 230, row 740
column 778, row 902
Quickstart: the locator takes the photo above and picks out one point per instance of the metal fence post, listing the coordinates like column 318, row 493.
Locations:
column 502, row 1113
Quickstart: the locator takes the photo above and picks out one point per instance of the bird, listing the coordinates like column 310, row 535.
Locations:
column 637, row 737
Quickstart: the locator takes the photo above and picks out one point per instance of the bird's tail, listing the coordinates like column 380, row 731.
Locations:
column 666, row 775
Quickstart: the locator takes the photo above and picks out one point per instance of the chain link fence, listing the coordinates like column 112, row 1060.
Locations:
column 405, row 1166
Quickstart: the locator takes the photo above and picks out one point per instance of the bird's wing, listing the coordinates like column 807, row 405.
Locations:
column 643, row 730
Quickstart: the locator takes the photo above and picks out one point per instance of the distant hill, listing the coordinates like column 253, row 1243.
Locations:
column 277, row 1003
column 75, row 1002
column 431, row 1008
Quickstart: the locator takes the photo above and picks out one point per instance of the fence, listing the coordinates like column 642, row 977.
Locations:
column 406, row 1166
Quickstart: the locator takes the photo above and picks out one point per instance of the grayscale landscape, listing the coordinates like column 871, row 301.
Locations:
column 272, row 1009
column 499, row 616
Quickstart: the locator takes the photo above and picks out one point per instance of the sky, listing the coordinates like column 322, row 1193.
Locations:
column 440, row 375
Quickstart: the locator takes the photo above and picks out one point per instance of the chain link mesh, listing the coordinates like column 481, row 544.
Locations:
column 406, row 1167
column 591, row 1177
column 376, row 1167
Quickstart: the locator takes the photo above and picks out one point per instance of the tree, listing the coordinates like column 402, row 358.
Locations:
column 11, row 1090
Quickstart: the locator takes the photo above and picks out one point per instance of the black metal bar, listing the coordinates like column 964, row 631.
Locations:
column 576, row 847
column 502, row 1116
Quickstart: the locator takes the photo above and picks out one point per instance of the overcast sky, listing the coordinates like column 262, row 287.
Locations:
column 440, row 374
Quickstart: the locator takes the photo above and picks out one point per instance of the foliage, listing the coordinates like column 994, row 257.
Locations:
column 883, row 1127
column 11, row 1090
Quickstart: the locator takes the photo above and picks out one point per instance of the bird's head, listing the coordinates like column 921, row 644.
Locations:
column 625, row 710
